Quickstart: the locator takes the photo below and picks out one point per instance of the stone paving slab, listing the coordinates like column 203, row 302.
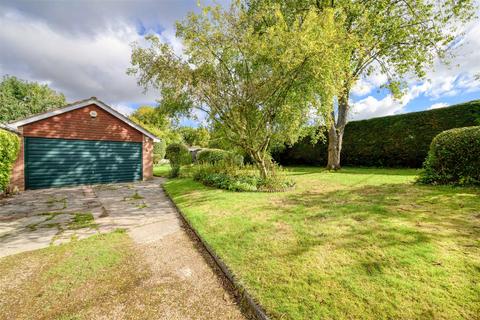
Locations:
column 141, row 208
column 35, row 219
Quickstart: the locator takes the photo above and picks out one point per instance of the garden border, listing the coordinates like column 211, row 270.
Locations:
column 242, row 296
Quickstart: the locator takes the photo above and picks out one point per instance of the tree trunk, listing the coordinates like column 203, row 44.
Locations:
column 334, row 147
column 263, row 169
column 261, row 164
column 335, row 133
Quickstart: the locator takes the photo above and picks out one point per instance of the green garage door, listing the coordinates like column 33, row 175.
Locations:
column 60, row 162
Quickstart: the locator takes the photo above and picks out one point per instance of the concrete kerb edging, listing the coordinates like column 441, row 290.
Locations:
column 244, row 299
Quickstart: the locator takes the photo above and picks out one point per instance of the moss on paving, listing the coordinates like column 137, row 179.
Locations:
column 134, row 196
column 82, row 220
column 353, row 244
column 52, row 201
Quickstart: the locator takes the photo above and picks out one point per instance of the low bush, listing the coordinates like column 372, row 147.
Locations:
column 240, row 178
column 178, row 155
column 213, row 156
column 454, row 158
column 9, row 146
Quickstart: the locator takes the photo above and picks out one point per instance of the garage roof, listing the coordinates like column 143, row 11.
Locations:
column 78, row 105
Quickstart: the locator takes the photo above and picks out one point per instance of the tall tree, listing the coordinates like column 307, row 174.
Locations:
column 258, row 83
column 195, row 136
column 157, row 122
column 20, row 98
column 393, row 37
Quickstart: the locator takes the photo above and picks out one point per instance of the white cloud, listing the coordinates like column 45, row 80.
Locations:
column 366, row 85
column 459, row 76
column 438, row 105
column 80, row 66
column 371, row 107
column 123, row 109
column 441, row 81
column 83, row 48
column 362, row 87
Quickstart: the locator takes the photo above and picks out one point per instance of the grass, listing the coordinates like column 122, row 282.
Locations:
column 69, row 281
column 162, row 170
column 358, row 243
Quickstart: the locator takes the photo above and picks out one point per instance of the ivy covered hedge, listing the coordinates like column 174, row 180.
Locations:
column 454, row 158
column 9, row 146
column 393, row 141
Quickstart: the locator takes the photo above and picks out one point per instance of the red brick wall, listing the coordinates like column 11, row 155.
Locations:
column 78, row 124
column 17, row 178
column 147, row 158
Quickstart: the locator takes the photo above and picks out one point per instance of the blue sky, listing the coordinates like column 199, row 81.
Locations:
column 82, row 48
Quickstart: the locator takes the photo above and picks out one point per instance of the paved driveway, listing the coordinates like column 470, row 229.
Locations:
column 36, row 219
column 39, row 218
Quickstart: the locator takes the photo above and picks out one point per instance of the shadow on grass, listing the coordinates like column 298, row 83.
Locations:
column 304, row 170
column 189, row 193
column 391, row 215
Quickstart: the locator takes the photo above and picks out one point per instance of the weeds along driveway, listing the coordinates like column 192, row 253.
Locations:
column 189, row 287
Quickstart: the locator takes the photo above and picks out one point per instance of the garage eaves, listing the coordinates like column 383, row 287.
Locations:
column 9, row 128
column 80, row 104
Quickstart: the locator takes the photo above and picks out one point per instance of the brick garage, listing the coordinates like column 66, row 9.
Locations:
column 82, row 143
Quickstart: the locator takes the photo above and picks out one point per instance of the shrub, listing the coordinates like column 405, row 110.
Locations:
column 9, row 146
column 239, row 179
column 178, row 155
column 393, row 141
column 213, row 156
column 454, row 158
column 277, row 181
column 159, row 150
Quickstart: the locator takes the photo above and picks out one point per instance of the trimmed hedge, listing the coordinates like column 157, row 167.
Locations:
column 454, row 158
column 393, row 141
column 9, row 146
column 213, row 156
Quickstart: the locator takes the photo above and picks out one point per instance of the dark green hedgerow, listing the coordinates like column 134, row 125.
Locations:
column 454, row 158
column 9, row 146
column 393, row 141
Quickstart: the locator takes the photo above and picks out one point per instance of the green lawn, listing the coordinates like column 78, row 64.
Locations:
column 356, row 244
column 161, row 170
